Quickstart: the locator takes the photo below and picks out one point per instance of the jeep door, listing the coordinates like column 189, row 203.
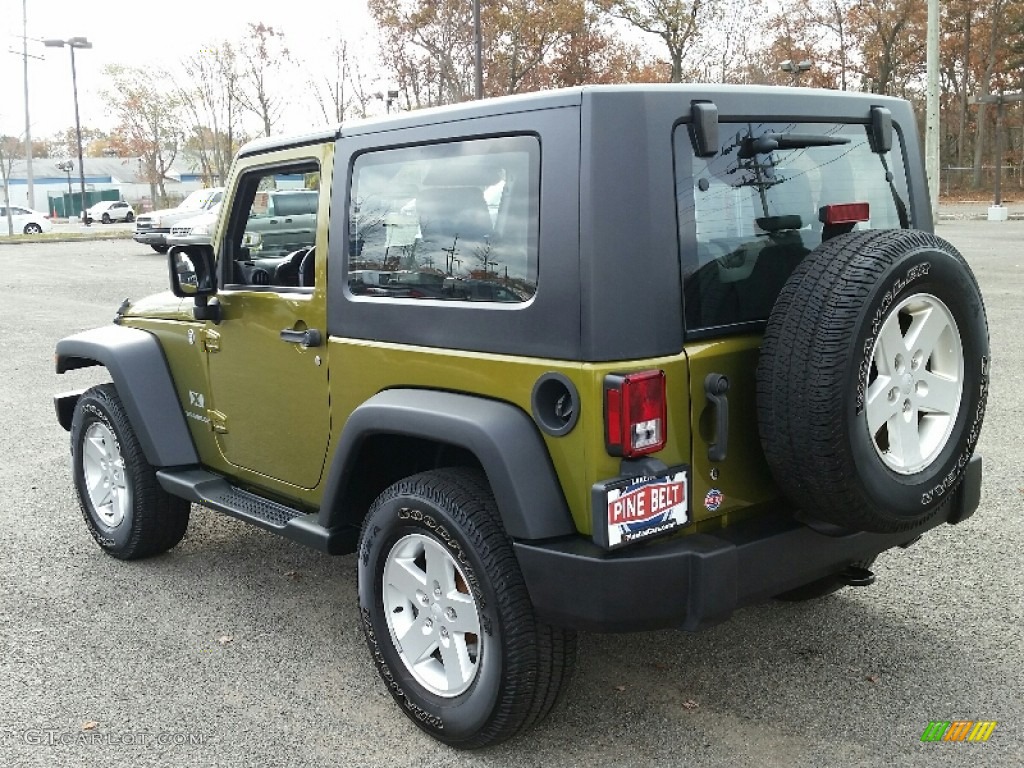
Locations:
column 267, row 364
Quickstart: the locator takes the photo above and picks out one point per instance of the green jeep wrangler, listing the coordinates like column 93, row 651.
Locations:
column 605, row 358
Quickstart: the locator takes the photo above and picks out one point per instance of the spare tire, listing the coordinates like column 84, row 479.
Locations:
column 873, row 379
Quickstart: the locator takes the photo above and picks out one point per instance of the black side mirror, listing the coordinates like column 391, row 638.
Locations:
column 193, row 274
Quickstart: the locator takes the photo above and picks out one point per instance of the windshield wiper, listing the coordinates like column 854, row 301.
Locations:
column 769, row 142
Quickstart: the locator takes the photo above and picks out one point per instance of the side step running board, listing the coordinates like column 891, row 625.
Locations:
column 213, row 491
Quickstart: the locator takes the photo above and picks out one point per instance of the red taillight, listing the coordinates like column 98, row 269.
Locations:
column 635, row 413
column 844, row 213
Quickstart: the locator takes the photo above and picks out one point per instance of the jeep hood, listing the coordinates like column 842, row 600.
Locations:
column 159, row 306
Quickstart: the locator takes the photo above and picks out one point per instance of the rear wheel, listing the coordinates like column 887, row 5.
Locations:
column 33, row 229
column 105, row 218
column 128, row 514
column 447, row 616
column 130, row 217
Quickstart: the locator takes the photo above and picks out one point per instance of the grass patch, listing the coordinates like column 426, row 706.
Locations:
column 61, row 237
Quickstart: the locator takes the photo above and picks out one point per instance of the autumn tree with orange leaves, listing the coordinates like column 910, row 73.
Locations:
column 149, row 122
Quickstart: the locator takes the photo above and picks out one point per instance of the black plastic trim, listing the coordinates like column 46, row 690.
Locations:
column 64, row 404
column 216, row 493
column 697, row 580
column 139, row 370
column 502, row 437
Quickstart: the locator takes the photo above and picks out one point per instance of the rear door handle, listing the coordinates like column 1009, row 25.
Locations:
column 309, row 338
column 716, row 388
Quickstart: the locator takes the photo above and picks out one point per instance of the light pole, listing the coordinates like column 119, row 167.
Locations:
column 72, row 43
column 30, row 192
column 67, row 167
column 796, row 68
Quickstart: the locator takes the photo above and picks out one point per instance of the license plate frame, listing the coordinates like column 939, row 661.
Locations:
column 628, row 510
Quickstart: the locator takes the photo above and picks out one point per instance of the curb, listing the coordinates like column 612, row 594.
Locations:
column 26, row 240
column 976, row 217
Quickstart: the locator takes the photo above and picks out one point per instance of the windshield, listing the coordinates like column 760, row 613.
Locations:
column 200, row 199
column 750, row 213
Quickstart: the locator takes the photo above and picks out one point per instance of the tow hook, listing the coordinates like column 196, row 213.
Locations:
column 856, row 576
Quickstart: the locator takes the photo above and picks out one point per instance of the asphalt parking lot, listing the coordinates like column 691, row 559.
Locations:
column 238, row 648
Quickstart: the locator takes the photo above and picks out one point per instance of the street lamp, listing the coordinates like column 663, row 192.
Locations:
column 72, row 43
column 796, row 68
column 67, row 167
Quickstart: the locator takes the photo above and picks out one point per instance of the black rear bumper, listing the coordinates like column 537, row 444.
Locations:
column 692, row 581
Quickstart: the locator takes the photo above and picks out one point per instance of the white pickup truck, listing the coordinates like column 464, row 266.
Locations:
column 152, row 228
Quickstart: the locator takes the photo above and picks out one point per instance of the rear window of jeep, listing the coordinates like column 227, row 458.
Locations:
column 456, row 221
column 749, row 214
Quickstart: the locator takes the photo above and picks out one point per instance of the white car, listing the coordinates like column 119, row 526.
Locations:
column 25, row 220
column 111, row 210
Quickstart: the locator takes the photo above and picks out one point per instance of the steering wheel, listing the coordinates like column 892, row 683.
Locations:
column 307, row 272
column 287, row 272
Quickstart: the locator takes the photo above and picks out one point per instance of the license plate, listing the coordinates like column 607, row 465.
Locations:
column 628, row 510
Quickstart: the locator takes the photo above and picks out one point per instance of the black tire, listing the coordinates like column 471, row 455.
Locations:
column 105, row 218
column 33, row 229
column 150, row 521
column 160, row 248
column 130, row 217
column 520, row 665
column 818, row 367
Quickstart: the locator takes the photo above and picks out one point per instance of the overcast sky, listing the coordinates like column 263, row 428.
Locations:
column 140, row 34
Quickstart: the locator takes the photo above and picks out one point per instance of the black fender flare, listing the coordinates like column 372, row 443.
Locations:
column 502, row 437
column 139, row 370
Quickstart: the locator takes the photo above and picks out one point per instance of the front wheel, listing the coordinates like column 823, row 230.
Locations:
column 105, row 218
column 128, row 514
column 159, row 248
column 447, row 616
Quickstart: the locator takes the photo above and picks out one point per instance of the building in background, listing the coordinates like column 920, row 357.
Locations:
column 106, row 178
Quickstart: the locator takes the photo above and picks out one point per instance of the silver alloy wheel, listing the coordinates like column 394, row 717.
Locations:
column 915, row 385
column 432, row 615
column 105, row 482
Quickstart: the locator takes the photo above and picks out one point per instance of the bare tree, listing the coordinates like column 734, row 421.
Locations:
column 7, row 151
column 212, row 108
column 263, row 54
column 329, row 88
column 677, row 22
column 994, row 42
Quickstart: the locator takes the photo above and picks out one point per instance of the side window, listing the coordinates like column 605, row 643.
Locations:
column 271, row 233
column 452, row 222
column 752, row 210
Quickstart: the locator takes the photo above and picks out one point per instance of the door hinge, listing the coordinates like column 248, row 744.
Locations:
column 218, row 421
column 211, row 340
